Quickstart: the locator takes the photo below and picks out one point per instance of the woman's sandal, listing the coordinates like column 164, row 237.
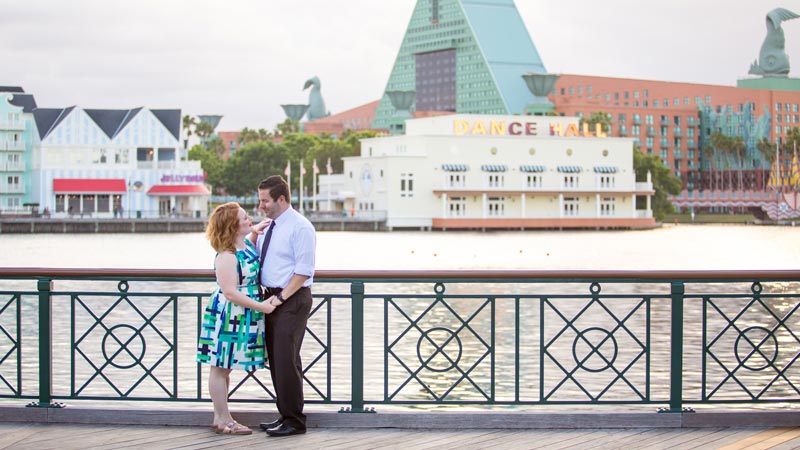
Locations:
column 233, row 428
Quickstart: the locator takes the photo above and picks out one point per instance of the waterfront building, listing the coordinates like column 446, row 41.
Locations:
column 675, row 121
column 461, row 56
column 17, row 131
column 476, row 56
column 468, row 171
column 114, row 163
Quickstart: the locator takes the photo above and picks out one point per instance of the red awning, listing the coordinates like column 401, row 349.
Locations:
column 89, row 185
column 178, row 189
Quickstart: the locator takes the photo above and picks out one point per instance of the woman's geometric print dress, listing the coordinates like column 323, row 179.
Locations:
column 232, row 336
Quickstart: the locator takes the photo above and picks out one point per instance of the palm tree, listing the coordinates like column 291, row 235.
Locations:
column 288, row 126
column 738, row 148
column 188, row 123
column 603, row 118
column 768, row 151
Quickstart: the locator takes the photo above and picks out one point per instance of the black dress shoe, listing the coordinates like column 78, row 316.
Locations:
column 285, row 430
column 267, row 425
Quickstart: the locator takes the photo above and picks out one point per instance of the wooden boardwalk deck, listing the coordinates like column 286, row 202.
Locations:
column 20, row 436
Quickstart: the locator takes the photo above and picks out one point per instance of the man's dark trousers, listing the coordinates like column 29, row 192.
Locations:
column 285, row 328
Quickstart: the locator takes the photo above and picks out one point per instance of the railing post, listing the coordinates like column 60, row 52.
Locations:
column 677, row 291
column 357, row 349
column 45, row 288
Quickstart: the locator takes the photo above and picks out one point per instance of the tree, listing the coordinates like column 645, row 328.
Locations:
column 298, row 147
column 603, row 118
column 247, row 136
column 204, row 130
column 211, row 164
column 353, row 140
column 768, row 151
column 189, row 122
column 792, row 141
column 287, row 127
column 216, row 146
column 664, row 182
column 251, row 164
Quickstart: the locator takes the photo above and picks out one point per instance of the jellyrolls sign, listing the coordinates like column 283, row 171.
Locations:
column 480, row 127
column 177, row 178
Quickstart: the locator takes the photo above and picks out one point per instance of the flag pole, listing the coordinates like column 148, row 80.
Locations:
column 314, row 173
column 329, row 169
column 300, row 196
column 288, row 173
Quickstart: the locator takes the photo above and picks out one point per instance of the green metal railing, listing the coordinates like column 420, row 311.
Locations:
column 487, row 338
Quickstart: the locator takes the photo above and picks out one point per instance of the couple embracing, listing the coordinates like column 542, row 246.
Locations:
column 261, row 306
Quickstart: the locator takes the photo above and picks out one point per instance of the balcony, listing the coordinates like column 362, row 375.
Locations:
column 12, row 125
column 677, row 132
column 12, row 189
column 172, row 164
column 12, row 167
column 12, row 146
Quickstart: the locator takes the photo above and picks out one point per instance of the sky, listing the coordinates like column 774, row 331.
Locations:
column 242, row 59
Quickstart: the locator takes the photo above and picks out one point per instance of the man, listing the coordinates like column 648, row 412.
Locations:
column 287, row 274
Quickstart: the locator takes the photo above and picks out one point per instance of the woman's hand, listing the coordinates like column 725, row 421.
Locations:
column 259, row 227
column 266, row 307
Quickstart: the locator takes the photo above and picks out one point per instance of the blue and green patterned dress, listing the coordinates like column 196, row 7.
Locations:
column 232, row 336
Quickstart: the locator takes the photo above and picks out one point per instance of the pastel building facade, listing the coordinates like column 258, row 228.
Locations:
column 17, row 137
column 114, row 163
column 467, row 171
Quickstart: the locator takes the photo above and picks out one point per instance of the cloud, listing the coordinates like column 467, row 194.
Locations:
column 244, row 58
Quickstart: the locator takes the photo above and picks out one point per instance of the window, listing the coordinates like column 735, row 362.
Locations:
column 406, row 185
column 571, row 206
column 103, row 203
column 60, row 203
column 456, row 207
column 570, row 181
column 495, row 180
column 99, row 156
column 607, row 181
column 455, row 180
column 533, row 181
column 121, row 156
column 607, row 206
column 497, row 206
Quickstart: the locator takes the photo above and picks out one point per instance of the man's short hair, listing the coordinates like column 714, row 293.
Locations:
column 276, row 186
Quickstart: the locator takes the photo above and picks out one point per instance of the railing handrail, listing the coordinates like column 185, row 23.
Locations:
column 428, row 274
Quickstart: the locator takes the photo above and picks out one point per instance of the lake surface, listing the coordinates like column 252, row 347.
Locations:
column 672, row 247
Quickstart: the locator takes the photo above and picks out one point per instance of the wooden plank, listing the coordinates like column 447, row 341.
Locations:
column 637, row 440
column 718, row 439
column 765, row 439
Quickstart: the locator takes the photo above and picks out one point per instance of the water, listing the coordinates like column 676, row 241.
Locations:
column 672, row 247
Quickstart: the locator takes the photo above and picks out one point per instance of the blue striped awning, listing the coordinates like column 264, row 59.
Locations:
column 529, row 168
column 570, row 169
column 494, row 168
column 455, row 167
column 605, row 169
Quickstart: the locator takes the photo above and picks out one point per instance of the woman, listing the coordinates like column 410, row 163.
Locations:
column 232, row 332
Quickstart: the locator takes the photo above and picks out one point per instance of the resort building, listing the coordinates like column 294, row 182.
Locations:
column 17, row 131
column 114, row 163
column 467, row 171
column 460, row 56
column 476, row 57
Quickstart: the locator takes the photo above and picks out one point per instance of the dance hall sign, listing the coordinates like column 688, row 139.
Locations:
column 481, row 127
